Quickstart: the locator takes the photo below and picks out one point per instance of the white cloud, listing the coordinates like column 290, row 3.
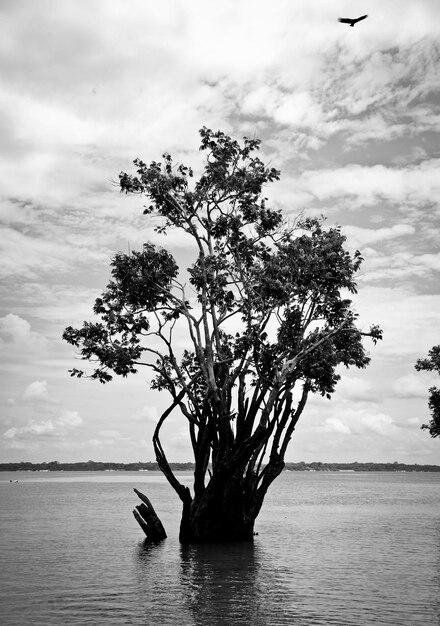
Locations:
column 354, row 388
column 37, row 391
column 335, row 425
column 110, row 433
column 429, row 261
column 296, row 109
column 69, row 418
column 414, row 385
column 395, row 263
column 349, row 115
column 34, row 430
column 414, row 421
column 373, row 127
column 106, row 439
column 146, row 413
column 46, row 253
column 361, row 237
column 369, row 184
column 16, row 332
column 410, row 321
column 356, row 420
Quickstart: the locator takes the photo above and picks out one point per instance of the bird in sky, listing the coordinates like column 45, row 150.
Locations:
column 350, row 20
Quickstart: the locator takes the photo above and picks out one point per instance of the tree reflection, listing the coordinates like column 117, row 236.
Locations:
column 159, row 595
column 220, row 583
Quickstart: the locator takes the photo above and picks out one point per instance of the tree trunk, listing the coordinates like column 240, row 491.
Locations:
column 220, row 516
column 226, row 511
column 146, row 517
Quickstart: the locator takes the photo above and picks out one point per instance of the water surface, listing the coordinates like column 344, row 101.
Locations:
column 332, row 548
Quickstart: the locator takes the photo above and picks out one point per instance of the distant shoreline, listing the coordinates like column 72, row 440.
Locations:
column 151, row 466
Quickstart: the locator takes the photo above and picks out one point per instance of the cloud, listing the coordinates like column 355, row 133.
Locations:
column 110, row 433
column 74, row 140
column 353, row 388
column 414, row 385
column 429, row 261
column 37, row 391
column 335, row 425
column 385, row 76
column 34, row 431
column 410, row 321
column 397, row 264
column 16, row 332
column 69, row 418
column 373, row 127
column 356, row 420
column 349, row 116
column 414, row 421
column 297, row 109
column 48, row 252
column 107, row 438
column 369, row 184
column 361, row 237
column 146, row 414
column 32, row 428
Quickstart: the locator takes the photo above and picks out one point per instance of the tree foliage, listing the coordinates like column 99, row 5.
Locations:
column 265, row 307
column 432, row 364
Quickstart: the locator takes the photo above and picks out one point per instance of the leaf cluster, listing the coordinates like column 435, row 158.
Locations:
column 139, row 285
column 432, row 364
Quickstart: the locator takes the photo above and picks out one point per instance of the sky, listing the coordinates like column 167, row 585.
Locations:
column 351, row 117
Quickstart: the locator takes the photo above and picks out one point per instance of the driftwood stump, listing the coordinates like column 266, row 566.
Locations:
column 148, row 520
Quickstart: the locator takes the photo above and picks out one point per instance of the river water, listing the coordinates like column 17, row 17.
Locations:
column 332, row 548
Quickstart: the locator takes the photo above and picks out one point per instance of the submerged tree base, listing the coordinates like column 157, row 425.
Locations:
column 226, row 509
column 215, row 526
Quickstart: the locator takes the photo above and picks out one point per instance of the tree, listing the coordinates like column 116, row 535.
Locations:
column 432, row 364
column 265, row 318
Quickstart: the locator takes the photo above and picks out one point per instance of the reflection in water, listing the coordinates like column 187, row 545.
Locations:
column 223, row 584
column 333, row 550
column 208, row 584
column 232, row 584
column 437, row 575
column 159, row 596
column 341, row 552
column 220, row 582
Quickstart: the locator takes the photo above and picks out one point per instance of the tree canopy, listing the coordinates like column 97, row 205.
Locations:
column 265, row 308
column 432, row 364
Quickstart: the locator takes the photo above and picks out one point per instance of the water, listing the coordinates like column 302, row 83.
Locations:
column 342, row 549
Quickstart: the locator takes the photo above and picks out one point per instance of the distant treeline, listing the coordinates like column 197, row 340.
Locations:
column 88, row 466
column 360, row 467
column 96, row 466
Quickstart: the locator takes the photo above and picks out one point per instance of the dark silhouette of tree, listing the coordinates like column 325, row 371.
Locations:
column 352, row 21
column 266, row 318
column 432, row 364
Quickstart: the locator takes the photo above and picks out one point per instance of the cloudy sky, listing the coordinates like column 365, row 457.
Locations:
column 351, row 116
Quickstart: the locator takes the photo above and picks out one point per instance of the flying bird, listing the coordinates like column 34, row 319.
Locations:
column 351, row 21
